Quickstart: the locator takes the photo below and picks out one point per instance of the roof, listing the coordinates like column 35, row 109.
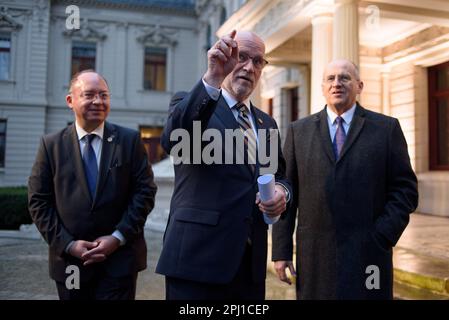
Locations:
column 175, row 4
column 180, row 6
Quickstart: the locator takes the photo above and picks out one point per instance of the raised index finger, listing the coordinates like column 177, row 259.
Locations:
column 229, row 39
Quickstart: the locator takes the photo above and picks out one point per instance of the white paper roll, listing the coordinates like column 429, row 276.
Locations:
column 266, row 191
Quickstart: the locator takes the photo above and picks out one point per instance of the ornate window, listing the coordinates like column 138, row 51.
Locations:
column 8, row 26
column 155, row 70
column 5, row 56
column 83, row 56
column 158, row 44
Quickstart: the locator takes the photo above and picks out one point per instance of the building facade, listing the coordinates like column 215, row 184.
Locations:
column 150, row 49
column 147, row 50
column 402, row 48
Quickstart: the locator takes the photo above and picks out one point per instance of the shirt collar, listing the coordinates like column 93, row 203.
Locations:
column 82, row 133
column 231, row 101
column 347, row 115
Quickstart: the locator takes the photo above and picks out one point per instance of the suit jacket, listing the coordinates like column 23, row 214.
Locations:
column 350, row 211
column 213, row 209
column 61, row 206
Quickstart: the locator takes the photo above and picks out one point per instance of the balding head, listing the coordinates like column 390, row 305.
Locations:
column 341, row 85
column 251, row 39
column 243, row 79
column 77, row 75
column 344, row 62
column 89, row 99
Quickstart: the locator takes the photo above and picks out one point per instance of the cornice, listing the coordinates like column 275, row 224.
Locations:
column 129, row 6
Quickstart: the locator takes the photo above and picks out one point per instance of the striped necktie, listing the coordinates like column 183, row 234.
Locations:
column 249, row 135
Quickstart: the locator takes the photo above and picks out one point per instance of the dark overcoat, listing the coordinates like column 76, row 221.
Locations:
column 350, row 211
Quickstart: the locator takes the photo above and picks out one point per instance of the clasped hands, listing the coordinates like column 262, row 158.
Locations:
column 95, row 251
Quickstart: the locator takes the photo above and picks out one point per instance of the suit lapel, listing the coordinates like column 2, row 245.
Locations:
column 260, row 124
column 73, row 152
column 323, row 127
column 225, row 115
column 354, row 130
column 107, row 151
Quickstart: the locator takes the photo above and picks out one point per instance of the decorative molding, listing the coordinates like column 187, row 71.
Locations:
column 278, row 15
column 143, row 6
column 7, row 22
column 365, row 51
column 422, row 40
column 39, row 9
column 157, row 36
column 87, row 32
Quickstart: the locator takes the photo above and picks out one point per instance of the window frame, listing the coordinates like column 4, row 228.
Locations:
column 3, row 135
column 434, row 95
column 92, row 43
column 8, row 34
column 166, row 50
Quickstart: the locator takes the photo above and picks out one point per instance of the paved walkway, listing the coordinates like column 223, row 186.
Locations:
column 422, row 253
column 421, row 258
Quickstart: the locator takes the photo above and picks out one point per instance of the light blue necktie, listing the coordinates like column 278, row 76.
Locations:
column 90, row 164
column 340, row 137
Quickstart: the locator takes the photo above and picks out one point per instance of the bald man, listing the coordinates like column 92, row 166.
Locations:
column 353, row 191
column 215, row 244
column 90, row 191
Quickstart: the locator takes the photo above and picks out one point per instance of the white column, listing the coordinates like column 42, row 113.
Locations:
column 321, row 55
column 346, row 30
column 277, row 106
column 304, row 92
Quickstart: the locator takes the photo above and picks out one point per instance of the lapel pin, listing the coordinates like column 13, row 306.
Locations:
column 260, row 120
column 110, row 138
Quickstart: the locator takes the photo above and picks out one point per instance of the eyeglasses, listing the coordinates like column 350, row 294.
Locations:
column 344, row 79
column 92, row 95
column 258, row 62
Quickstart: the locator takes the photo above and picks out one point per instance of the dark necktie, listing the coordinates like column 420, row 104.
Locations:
column 250, row 137
column 340, row 137
column 90, row 164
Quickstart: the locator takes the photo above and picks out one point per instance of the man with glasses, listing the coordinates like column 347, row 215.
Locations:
column 90, row 191
column 215, row 244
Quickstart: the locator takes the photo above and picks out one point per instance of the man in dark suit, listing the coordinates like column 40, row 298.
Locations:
column 90, row 191
column 215, row 244
column 353, row 189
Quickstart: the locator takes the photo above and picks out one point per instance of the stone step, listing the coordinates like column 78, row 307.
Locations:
column 416, row 270
column 403, row 291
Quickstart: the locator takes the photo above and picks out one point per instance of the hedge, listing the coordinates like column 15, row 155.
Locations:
column 14, row 208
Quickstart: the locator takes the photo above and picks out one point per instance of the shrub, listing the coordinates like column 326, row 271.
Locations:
column 14, row 208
